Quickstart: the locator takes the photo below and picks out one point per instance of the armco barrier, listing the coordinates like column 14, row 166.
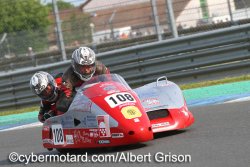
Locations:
column 200, row 57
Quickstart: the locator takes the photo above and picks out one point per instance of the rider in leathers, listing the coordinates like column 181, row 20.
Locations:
column 83, row 67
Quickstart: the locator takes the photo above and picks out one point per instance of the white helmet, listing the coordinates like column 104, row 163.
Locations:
column 83, row 63
column 43, row 85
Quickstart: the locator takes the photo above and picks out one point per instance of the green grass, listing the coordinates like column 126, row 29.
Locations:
column 18, row 111
column 183, row 87
column 215, row 82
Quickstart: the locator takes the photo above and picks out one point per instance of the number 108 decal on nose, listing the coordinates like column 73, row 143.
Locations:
column 119, row 98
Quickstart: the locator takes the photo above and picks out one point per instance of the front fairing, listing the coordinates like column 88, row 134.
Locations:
column 110, row 95
column 108, row 84
column 96, row 109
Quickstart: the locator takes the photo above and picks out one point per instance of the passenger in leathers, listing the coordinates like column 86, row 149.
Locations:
column 48, row 89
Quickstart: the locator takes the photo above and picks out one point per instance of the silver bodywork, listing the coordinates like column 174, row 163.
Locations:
column 162, row 94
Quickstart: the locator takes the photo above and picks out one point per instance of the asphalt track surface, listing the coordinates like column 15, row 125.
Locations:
column 220, row 137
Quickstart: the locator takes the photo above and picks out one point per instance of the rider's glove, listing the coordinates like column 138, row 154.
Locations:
column 48, row 114
column 41, row 118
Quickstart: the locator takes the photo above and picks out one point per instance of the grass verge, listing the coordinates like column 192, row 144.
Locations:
column 215, row 82
column 19, row 111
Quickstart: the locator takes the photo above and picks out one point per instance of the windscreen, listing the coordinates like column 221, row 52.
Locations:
column 109, row 83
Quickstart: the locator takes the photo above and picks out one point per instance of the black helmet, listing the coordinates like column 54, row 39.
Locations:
column 83, row 63
column 43, row 85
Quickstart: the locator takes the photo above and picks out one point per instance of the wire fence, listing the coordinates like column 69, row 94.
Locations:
column 108, row 25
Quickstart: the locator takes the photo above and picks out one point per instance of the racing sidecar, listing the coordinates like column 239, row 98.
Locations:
column 165, row 105
column 105, row 112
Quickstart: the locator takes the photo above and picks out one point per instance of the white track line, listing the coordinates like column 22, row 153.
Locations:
column 238, row 100
column 36, row 124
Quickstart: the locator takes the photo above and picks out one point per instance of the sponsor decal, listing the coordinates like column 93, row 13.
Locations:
column 103, row 125
column 85, row 133
column 112, row 91
column 131, row 112
column 126, row 104
column 151, row 101
column 89, row 121
column 69, row 139
column 184, row 110
column 104, row 141
column 93, row 133
column 105, row 84
column 67, row 122
column 163, row 124
column 85, row 107
column 108, row 87
column 136, row 120
column 46, row 128
column 47, row 141
column 81, row 137
column 117, row 135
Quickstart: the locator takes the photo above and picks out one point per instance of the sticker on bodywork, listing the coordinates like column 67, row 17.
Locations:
column 57, row 131
column 103, row 141
column 69, row 139
column 159, row 125
column 131, row 112
column 117, row 135
column 103, row 125
column 117, row 99
column 47, row 141
column 150, row 101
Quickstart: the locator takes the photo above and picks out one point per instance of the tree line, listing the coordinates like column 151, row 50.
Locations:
column 27, row 24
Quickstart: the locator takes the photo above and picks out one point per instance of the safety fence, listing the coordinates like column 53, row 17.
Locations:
column 42, row 58
column 200, row 57
column 104, row 22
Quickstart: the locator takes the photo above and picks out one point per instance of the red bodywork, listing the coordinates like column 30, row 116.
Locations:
column 133, row 129
column 175, row 119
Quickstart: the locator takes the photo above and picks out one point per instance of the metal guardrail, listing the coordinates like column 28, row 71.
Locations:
column 200, row 57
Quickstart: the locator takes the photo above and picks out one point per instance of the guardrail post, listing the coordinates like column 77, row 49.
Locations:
column 230, row 11
column 171, row 18
column 156, row 20
column 59, row 31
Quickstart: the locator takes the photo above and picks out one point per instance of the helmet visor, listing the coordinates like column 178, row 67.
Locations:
column 47, row 93
column 85, row 70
